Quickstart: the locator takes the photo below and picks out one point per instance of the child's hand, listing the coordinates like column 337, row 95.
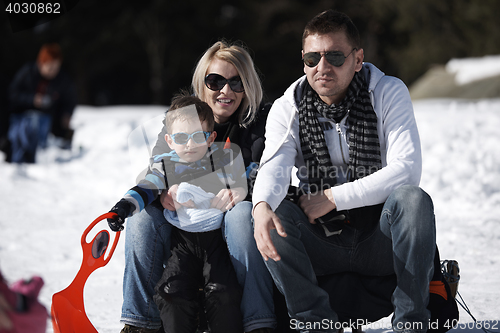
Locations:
column 122, row 209
column 172, row 192
column 167, row 201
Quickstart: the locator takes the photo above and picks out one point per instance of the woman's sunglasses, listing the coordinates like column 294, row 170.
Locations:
column 335, row 58
column 216, row 82
column 198, row 137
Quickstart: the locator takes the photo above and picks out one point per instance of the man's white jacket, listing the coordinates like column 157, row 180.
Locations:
column 398, row 136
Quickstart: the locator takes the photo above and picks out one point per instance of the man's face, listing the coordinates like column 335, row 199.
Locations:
column 328, row 81
column 190, row 151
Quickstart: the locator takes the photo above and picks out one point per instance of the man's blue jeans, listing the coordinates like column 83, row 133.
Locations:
column 402, row 243
column 147, row 248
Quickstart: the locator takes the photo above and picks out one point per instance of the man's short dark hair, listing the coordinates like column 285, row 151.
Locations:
column 332, row 21
column 183, row 100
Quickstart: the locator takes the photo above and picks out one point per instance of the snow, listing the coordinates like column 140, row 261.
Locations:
column 471, row 69
column 45, row 211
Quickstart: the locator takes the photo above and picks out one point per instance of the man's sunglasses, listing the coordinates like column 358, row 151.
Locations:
column 335, row 58
column 198, row 137
column 216, row 82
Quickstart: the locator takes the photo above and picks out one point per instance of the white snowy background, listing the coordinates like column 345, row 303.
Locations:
column 44, row 212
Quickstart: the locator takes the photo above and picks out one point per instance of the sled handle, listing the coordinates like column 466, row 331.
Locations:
column 97, row 247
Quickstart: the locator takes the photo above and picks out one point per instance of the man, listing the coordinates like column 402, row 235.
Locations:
column 351, row 132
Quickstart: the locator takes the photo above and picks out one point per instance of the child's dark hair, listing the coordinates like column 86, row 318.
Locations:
column 182, row 101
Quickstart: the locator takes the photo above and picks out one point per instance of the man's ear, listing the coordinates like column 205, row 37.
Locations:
column 170, row 142
column 211, row 138
column 360, row 56
column 302, row 57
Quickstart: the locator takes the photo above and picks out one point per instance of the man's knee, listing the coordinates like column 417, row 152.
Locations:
column 414, row 206
column 411, row 194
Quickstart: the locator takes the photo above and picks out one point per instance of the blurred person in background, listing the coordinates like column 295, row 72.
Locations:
column 42, row 99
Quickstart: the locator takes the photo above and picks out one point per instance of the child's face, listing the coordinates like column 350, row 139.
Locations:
column 190, row 151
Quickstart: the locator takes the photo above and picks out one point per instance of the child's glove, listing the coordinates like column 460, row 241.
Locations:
column 122, row 209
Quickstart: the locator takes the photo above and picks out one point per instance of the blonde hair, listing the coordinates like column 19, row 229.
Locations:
column 239, row 57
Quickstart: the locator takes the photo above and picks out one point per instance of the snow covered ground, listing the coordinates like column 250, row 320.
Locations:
column 44, row 212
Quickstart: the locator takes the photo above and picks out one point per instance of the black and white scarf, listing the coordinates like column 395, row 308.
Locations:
column 364, row 146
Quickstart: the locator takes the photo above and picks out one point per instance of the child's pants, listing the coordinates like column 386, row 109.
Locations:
column 199, row 261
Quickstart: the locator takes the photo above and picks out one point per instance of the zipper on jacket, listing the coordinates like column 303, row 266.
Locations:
column 339, row 130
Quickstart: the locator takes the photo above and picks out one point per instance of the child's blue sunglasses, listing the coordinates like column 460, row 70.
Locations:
column 198, row 137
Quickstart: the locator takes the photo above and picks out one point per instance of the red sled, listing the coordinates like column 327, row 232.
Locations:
column 68, row 309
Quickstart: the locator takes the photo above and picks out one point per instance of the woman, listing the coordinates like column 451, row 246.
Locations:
column 226, row 79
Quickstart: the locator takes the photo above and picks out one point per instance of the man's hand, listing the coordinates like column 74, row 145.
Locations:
column 317, row 204
column 265, row 220
column 226, row 199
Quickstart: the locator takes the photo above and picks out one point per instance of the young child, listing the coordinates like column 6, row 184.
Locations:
column 193, row 171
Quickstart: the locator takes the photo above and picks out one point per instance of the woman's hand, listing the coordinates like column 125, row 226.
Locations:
column 227, row 199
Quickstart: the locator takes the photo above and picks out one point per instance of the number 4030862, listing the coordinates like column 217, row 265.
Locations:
column 492, row 324
column 33, row 8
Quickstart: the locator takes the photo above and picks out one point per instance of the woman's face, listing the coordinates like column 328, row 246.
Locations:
column 223, row 102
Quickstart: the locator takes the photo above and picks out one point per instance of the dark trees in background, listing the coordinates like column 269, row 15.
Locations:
column 143, row 52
